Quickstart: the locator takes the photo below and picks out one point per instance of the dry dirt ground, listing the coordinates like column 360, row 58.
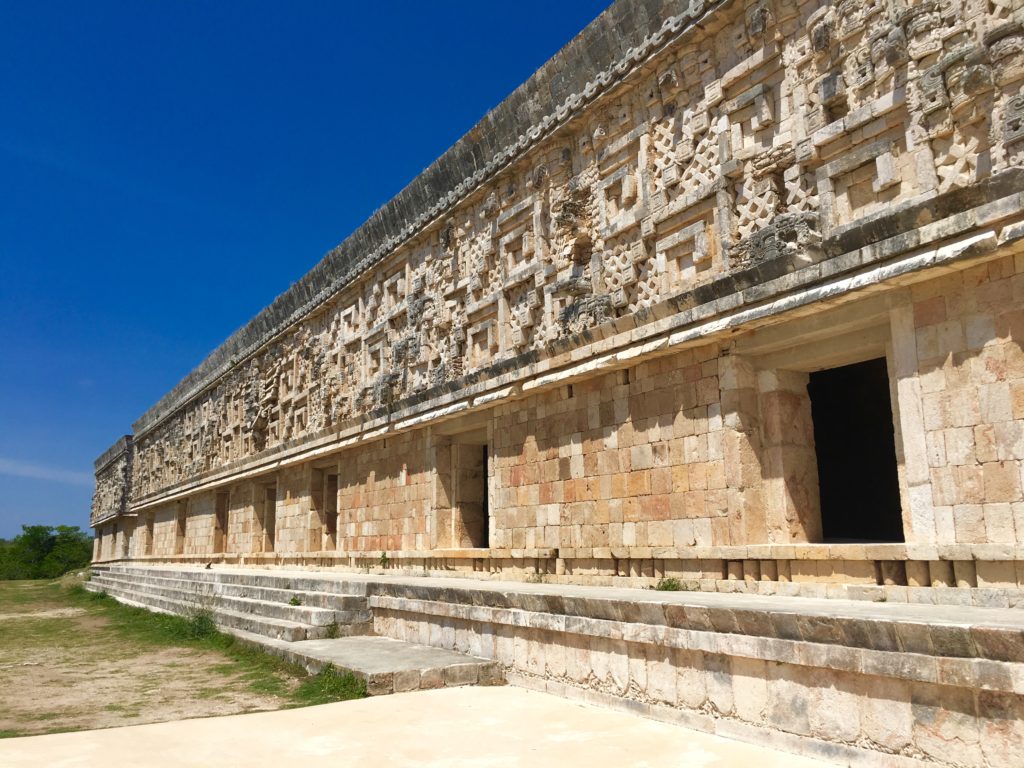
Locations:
column 66, row 665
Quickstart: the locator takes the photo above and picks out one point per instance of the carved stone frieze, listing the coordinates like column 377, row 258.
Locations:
column 700, row 151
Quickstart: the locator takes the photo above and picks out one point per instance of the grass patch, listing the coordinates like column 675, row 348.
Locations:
column 262, row 672
column 668, row 585
column 46, row 716
column 19, row 596
column 79, row 646
column 328, row 686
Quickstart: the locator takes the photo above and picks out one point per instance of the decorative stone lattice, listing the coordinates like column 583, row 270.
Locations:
column 766, row 118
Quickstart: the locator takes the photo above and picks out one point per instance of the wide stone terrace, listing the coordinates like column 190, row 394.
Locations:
column 864, row 683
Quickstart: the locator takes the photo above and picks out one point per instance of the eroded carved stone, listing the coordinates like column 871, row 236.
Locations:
column 744, row 145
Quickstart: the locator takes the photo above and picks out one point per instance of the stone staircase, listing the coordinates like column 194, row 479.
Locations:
column 262, row 604
column 309, row 620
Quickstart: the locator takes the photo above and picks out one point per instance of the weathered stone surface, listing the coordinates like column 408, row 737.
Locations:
column 586, row 347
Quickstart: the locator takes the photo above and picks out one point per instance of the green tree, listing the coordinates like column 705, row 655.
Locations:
column 72, row 548
column 44, row 552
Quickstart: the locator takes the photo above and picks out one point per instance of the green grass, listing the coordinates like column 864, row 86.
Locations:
column 264, row 673
column 330, row 685
column 19, row 596
column 124, row 632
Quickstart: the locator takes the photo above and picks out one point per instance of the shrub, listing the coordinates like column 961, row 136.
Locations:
column 44, row 552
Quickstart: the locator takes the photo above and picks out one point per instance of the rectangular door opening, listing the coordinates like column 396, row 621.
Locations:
column 471, row 518
column 269, row 516
column 220, row 523
column 150, row 524
column 331, row 511
column 856, row 453
column 181, row 529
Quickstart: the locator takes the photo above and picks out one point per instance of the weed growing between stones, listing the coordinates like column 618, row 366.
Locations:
column 328, row 686
column 199, row 625
column 333, row 630
column 295, row 600
column 669, row 584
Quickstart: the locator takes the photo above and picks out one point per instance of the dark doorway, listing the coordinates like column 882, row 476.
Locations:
column 486, row 537
column 856, row 453
column 220, row 525
column 331, row 510
column 182, row 528
column 269, row 517
column 150, row 524
column 472, row 522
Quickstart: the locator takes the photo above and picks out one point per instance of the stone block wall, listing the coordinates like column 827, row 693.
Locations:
column 969, row 330
column 199, row 528
column 293, row 510
column 631, row 458
column 801, row 689
column 165, row 528
column 385, row 495
column 242, row 533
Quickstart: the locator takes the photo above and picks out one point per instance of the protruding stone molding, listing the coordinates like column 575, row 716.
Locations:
column 311, row 297
column 898, row 259
column 893, row 230
column 904, row 650
column 122, row 445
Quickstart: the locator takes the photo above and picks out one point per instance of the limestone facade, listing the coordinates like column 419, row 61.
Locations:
column 585, row 344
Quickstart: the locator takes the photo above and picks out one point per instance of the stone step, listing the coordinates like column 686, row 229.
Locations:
column 290, row 581
column 277, row 628
column 311, row 598
column 386, row 665
column 183, row 592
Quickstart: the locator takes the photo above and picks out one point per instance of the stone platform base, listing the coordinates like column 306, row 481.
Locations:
column 861, row 683
column 384, row 664
column 312, row 623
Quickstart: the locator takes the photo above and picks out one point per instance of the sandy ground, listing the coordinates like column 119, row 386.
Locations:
column 450, row 728
column 54, row 613
column 62, row 668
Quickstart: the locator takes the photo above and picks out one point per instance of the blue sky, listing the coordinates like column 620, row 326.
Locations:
column 168, row 168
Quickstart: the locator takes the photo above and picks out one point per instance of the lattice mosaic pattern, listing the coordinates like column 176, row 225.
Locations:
column 829, row 112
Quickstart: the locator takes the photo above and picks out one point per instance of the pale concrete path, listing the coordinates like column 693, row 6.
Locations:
column 448, row 727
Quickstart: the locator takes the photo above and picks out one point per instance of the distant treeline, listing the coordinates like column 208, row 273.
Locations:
column 44, row 552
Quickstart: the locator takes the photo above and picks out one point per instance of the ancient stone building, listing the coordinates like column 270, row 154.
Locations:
column 727, row 292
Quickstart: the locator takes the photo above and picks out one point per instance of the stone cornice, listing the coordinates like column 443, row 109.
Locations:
column 113, row 452
column 973, row 222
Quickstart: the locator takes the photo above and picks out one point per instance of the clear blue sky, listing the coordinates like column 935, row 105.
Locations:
column 168, row 168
